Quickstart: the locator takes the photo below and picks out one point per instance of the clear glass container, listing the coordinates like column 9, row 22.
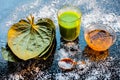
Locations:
column 69, row 20
column 99, row 37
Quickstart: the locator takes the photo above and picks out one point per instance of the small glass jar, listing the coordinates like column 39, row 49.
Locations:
column 69, row 20
column 99, row 37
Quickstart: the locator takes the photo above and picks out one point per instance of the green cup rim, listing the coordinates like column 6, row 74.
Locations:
column 70, row 8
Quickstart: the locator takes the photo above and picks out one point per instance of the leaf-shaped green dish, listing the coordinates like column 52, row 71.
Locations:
column 28, row 40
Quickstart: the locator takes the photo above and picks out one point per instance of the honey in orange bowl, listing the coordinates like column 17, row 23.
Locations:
column 99, row 37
